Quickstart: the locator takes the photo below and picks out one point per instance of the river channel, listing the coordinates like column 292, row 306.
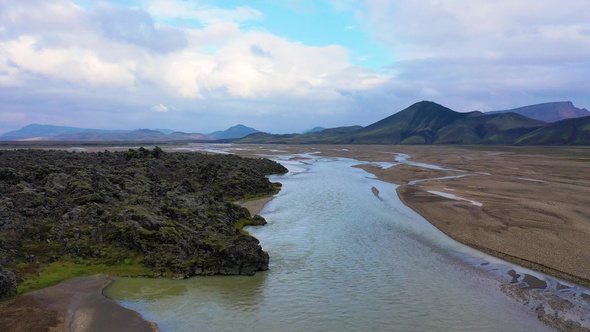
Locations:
column 341, row 259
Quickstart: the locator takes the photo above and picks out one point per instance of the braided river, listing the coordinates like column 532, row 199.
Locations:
column 343, row 257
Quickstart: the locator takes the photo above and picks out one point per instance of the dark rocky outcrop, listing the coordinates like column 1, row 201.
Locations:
column 8, row 284
column 172, row 212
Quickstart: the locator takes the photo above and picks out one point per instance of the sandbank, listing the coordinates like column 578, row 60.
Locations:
column 533, row 203
column 73, row 305
column 255, row 205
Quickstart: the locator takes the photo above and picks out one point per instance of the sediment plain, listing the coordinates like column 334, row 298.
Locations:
column 529, row 206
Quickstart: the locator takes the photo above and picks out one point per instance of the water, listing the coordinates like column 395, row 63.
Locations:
column 342, row 259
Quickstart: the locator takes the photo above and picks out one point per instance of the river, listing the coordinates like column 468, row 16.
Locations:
column 341, row 259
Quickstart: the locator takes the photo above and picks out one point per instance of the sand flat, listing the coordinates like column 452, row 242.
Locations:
column 535, row 201
column 73, row 305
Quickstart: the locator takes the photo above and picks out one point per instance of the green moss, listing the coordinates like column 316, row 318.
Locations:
column 54, row 273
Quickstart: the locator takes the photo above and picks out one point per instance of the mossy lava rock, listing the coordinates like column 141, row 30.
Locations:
column 172, row 212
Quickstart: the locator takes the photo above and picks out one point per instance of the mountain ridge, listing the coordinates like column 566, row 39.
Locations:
column 427, row 122
column 424, row 122
column 549, row 112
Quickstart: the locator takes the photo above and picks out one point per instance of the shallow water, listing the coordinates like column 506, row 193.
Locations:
column 342, row 259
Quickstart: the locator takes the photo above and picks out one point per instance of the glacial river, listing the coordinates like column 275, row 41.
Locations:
column 341, row 259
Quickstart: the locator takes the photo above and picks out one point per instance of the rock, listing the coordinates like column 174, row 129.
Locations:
column 257, row 220
column 8, row 284
column 244, row 257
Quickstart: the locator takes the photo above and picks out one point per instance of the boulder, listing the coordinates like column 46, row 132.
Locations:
column 8, row 284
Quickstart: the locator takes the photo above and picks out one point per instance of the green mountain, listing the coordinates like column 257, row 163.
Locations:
column 574, row 131
column 430, row 123
column 326, row 136
column 417, row 124
column 501, row 129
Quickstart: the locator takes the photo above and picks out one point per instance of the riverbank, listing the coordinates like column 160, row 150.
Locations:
column 73, row 305
column 529, row 209
column 526, row 205
column 255, row 205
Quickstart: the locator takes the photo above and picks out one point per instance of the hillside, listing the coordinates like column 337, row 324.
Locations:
column 566, row 132
column 171, row 213
column 326, row 136
column 417, row 124
column 237, row 131
column 549, row 112
column 430, row 123
column 500, row 129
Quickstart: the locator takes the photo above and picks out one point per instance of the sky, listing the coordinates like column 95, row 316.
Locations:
column 282, row 66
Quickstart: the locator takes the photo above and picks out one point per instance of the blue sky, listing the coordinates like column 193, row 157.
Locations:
column 282, row 66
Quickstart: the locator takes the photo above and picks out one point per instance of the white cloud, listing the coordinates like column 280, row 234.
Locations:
column 74, row 65
column 496, row 29
column 160, row 108
column 206, row 14
column 245, row 64
column 484, row 54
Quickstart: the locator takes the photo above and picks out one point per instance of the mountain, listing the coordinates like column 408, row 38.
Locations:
column 430, row 123
column 326, row 136
column 478, row 128
column 417, row 124
column 549, row 112
column 61, row 133
column 237, row 131
column 314, row 130
column 38, row 131
column 565, row 132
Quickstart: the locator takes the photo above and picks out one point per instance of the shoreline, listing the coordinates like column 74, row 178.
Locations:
column 474, row 226
column 530, row 205
column 77, row 304
column 255, row 205
column 536, row 215
column 509, row 258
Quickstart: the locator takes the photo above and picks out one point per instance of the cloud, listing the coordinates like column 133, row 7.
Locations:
column 485, row 54
column 160, row 108
column 206, row 14
column 74, row 62
column 113, row 62
column 135, row 26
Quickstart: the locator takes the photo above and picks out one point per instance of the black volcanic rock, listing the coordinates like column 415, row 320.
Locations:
column 172, row 212
column 8, row 284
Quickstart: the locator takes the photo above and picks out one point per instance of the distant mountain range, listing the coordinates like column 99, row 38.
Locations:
column 60, row 133
column 422, row 123
column 549, row 112
column 430, row 123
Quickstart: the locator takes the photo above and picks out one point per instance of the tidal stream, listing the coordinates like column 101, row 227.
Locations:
column 341, row 259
